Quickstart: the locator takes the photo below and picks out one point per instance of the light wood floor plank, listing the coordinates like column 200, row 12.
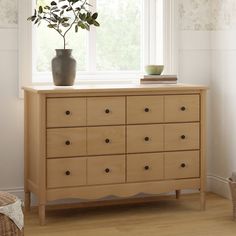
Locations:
column 168, row 217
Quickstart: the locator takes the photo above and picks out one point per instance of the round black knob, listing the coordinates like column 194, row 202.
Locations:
column 67, row 142
column 183, row 108
column 146, row 109
column 146, row 139
column 107, row 170
column 107, row 111
column 107, row 140
column 67, row 172
column 183, row 165
column 67, row 113
column 146, row 167
column 183, row 136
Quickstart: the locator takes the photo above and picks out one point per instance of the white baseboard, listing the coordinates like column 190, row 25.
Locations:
column 218, row 185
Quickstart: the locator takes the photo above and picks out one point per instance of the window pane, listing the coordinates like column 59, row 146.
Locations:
column 119, row 36
column 47, row 40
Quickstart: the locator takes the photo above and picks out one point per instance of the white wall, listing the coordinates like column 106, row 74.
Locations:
column 206, row 55
column 11, row 108
column 208, row 36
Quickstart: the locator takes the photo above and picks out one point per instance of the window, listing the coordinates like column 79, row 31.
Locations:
column 131, row 35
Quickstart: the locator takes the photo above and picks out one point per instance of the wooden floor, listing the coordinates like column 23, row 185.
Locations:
column 161, row 218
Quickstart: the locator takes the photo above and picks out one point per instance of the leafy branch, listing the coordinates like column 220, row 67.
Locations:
column 62, row 15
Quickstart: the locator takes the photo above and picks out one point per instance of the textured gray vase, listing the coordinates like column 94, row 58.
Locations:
column 63, row 68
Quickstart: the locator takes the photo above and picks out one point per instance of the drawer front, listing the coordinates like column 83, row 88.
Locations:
column 181, row 136
column 182, row 165
column 144, row 138
column 181, row 108
column 105, row 170
column 66, row 142
column 66, row 172
column 145, row 109
column 66, row 112
column 106, row 111
column 145, row 167
column 106, row 140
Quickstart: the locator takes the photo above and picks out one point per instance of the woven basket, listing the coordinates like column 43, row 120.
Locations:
column 232, row 186
column 7, row 226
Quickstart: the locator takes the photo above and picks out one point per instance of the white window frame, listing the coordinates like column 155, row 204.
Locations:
column 170, row 27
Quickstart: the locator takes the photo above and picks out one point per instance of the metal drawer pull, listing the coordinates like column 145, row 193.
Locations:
column 107, row 170
column 183, row 137
column 146, row 167
column 67, row 113
column 183, row 108
column 67, row 172
column 183, row 165
column 107, row 111
column 146, row 109
column 107, row 140
column 146, row 139
column 67, row 142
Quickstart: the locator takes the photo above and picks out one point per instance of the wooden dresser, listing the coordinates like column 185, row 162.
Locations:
column 92, row 142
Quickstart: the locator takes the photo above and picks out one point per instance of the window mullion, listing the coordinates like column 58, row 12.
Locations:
column 92, row 42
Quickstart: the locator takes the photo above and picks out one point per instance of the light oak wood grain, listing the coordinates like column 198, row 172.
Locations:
column 181, row 165
column 145, row 109
column 182, row 108
column 66, row 112
column 106, row 170
column 145, row 138
column 184, row 136
column 66, row 142
column 162, row 215
column 144, row 167
column 66, row 172
column 69, row 128
column 106, row 111
column 106, row 140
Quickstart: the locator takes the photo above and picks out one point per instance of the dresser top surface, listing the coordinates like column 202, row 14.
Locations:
column 113, row 88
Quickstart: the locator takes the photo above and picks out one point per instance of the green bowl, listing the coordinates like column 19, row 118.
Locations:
column 154, row 69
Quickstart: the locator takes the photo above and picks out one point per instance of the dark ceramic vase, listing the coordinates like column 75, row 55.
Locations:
column 63, row 68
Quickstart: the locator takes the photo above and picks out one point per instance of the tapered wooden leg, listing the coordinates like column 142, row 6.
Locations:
column 42, row 214
column 177, row 194
column 203, row 200
column 27, row 201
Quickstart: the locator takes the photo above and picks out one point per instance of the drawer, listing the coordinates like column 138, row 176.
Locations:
column 106, row 140
column 66, row 172
column 106, row 111
column 181, row 136
column 66, row 142
column 145, row 109
column 106, row 170
column 144, row 138
column 181, row 108
column 182, row 165
column 66, row 112
column 145, row 167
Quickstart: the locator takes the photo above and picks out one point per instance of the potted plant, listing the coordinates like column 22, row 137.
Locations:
column 63, row 16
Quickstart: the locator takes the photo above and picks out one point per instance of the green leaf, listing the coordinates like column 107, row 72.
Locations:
column 40, row 9
column 95, row 16
column 96, row 23
column 87, row 27
column 76, row 28
column 52, row 25
column 64, row 7
column 90, row 20
column 53, row 3
column 65, row 24
column 82, row 16
column 47, row 8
